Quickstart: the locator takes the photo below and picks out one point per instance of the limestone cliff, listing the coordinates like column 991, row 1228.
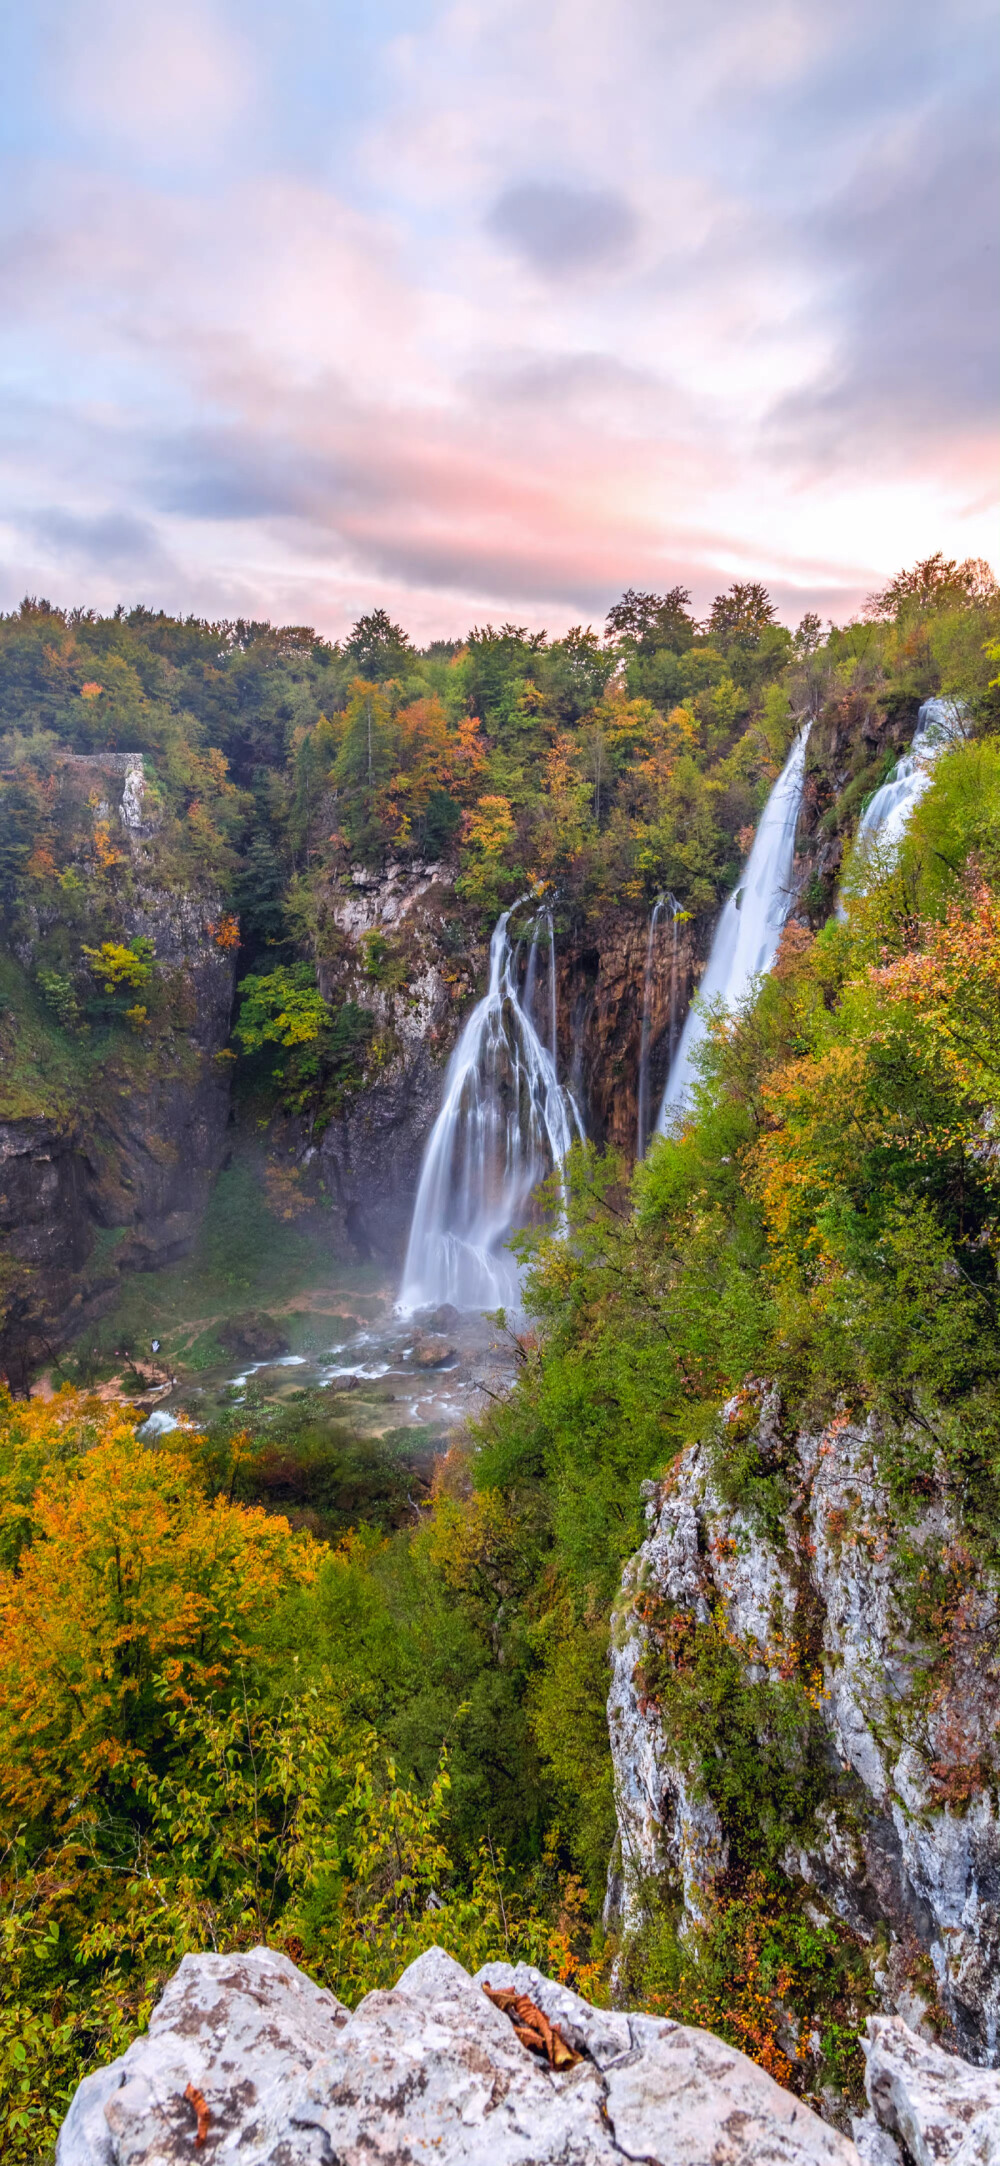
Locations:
column 903, row 1842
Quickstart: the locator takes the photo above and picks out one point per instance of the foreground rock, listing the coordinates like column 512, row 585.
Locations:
column 246, row 2053
column 927, row 2106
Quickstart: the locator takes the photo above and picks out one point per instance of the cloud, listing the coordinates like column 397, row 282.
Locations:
column 116, row 541
column 160, row 78
column 911, row 245
column 738, row 326
column 560, row 230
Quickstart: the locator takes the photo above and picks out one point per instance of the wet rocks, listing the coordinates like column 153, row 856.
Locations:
column 433, row 1352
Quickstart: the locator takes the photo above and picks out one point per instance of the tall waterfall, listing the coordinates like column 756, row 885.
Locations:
column 505, row 1123
column 939, row 722
column 748, row 932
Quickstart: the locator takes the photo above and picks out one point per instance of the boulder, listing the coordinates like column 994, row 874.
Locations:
column 433, row 1353
column 942, row 2110
column 441, row 1319
column 252, row 1337
column 246, row 2060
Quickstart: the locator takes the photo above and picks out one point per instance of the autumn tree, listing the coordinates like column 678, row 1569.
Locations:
column 649, row 621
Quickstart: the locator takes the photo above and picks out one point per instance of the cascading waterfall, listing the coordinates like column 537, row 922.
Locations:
column 750, row 927
column 505, row 1123
column 939, row 723
column 642, row 1126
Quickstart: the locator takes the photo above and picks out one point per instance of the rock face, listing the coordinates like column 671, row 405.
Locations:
column 272, row 2071
column 134, row 1161
column 370, row 1154
column 942, row 2112
column 909, row 1840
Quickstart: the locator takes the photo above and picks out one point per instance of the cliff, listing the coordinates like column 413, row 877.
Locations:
column 856, row 1648
column 111, row 1132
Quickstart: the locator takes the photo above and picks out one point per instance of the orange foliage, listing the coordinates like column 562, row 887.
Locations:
column 226, row 934
column 952, row 983
column 131, row 1572
column 432, row 754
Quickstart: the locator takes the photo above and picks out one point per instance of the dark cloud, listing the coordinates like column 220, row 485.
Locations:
column 116, row 541
column 911, row 247
column 559, row 230
column 208, row 475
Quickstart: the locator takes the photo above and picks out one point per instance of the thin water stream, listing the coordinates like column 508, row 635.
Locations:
column 887, row 814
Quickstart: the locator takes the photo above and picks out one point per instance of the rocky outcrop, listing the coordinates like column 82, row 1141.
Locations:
column 247, row 2058
column 927, row 2107
column 906, row 1845
column 395, row 956
column 602, row 978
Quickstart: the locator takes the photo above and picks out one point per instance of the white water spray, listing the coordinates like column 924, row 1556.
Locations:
column 748, row 932
column 505, row 1123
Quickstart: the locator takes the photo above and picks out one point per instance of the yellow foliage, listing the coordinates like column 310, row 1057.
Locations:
column 130, row 1572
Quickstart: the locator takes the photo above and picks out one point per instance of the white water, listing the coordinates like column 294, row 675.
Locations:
column 505, row 1123
column 542, row 926
column 939, row 723
column 748, row 932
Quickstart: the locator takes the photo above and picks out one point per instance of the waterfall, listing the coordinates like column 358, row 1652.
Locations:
column 678, row 913
column 642, row 1126
column 749, row 929
column 939, row 722
column 529, row 998
column 505, row 1123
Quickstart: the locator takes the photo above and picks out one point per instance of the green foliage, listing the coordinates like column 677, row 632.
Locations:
column 284, row 1008
column 59, row 993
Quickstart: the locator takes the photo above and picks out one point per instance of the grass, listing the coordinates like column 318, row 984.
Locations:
column 244, row 1258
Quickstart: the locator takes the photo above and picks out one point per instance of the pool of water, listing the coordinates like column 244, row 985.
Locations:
column 389, row 1372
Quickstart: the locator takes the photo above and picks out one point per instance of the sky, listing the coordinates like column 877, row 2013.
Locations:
column 486, row 311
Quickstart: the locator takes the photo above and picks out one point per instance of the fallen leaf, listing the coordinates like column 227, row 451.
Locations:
column 532, row 2026
column 196, row 2100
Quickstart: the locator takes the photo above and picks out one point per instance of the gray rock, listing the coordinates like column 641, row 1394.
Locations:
column 904, row 1856
column 433, row 2071
column 875, row 2147
column 945, row 2112
column 245, row 2031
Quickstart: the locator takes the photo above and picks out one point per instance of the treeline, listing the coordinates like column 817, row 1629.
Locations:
column 606, row 769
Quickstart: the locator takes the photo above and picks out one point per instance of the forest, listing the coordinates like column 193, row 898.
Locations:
column 220, row 1725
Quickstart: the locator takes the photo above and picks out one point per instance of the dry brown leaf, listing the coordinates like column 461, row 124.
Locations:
column 532, row 2026
column 196, row 2100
